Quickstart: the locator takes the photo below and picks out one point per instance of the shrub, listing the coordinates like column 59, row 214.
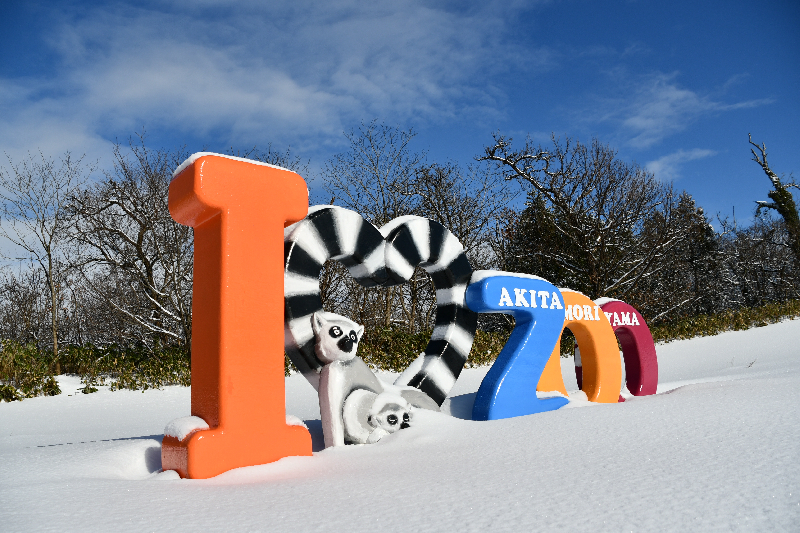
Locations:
column 394, row 349
column 127, row 367
column 391, row 349
column 486, row 347
column 25, row 372
column 728, row 320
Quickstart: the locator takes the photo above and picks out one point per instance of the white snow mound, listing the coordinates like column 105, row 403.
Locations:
column 180, row 428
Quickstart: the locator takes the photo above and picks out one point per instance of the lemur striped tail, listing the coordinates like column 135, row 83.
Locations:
column 380, row 257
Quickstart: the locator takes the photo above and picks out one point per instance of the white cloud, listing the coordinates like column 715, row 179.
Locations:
column 32, row 123
column 668, row 167
column 270, row 70
column 656, row 106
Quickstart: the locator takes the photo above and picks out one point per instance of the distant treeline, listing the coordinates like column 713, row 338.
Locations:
column 100, row 264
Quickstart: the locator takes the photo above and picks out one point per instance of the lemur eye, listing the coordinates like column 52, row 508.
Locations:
column 392, row 419
column 353, row 336
column 335, row 332
column 405, row 417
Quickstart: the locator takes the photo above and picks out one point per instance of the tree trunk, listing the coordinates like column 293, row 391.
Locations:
column 54, row 307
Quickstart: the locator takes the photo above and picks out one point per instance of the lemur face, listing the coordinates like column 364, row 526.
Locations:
column 337, row 337
column 391, row 416
column 346, row 341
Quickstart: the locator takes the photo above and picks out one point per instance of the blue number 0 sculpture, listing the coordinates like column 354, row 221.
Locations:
column 509, row 388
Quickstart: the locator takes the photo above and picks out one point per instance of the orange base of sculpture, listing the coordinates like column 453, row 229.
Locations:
column 208, row 453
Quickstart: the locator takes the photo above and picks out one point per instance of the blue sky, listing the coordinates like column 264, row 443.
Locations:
column 675, row 86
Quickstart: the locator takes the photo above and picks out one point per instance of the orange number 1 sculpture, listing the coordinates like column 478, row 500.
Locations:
column 238, row 210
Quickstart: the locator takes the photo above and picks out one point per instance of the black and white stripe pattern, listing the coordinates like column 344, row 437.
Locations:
column 384, row 257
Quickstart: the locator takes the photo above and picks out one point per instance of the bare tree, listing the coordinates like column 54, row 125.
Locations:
column 608, row 224
column 24, row 308
column 370, row 178
column 36, row 219
column 381, row 178
column 761, row 262
column 466, row 203
column 694, row 279
column 285, row 159
column 782, row 199
column 136, row 262
column 133, row 255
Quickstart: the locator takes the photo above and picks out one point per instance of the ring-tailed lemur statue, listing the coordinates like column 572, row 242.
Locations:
column 368, row 417
column 379, row 257
column 337, row 339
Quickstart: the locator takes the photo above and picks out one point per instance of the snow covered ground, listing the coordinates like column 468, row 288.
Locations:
column 717, row 449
